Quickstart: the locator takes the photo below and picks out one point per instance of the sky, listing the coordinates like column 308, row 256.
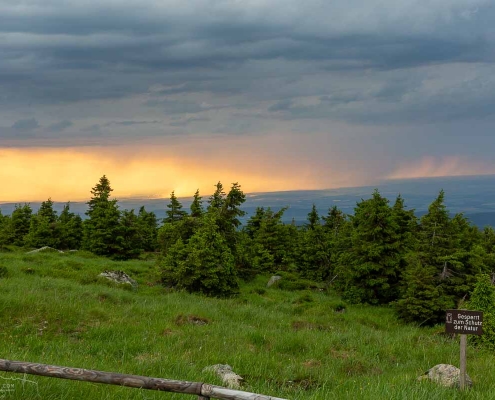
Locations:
column 276, row 95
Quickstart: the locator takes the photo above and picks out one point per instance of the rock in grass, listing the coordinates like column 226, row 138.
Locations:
column 446, row 375
column 119, row 277
column 228, row 376
column 274, row 279
column 44, row 248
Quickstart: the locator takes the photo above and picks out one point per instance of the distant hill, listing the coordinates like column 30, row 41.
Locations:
column 472, row 195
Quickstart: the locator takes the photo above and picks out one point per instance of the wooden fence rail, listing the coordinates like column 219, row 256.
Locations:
column 202, row 390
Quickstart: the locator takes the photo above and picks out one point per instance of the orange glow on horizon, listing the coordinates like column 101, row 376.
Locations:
column 68, row 174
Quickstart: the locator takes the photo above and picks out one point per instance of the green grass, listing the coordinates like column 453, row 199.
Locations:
column 291, row 344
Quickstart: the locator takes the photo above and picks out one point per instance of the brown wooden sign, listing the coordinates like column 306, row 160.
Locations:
column 464, row 322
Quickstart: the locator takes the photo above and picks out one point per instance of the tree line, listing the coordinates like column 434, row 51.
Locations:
column 382, row 254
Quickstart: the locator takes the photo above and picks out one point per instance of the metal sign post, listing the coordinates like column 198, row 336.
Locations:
column 465, row 323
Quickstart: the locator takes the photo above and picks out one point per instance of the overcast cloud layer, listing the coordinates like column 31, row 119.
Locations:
column 389, row 81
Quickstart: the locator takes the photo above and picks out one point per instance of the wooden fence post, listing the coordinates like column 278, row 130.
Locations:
column 202, row 390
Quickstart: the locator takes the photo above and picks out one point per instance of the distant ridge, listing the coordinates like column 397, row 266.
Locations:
column 472, row 195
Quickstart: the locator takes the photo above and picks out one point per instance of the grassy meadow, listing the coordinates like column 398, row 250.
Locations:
column 295, row 344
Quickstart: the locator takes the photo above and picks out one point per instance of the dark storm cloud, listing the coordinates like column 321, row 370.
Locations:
column 281, row 105
column 59, row 126
column 171, row 107
column 92, row 130
column 131, row 123
column 353, row 60
column 25, row 125
column 187, row 121
column 21, row 129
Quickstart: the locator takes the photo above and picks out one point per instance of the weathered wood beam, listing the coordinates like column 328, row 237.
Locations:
column 110, row 378
column 135, row 381
column 218, row 392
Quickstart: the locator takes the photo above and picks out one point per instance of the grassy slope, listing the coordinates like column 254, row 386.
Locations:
column 293, row 344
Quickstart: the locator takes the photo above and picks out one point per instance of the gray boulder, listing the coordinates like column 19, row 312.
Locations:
column 44, row 248
column 446, row 375
column 229, row 378
column 119, row 277
column 274, row 279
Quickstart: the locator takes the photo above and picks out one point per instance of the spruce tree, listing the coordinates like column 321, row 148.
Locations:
column 314, row 253
column 217, row 199
column 147, row 224
column 71, row 229
column 334, row 220
column 448, row 255
column 225, row 211
column 483, row 299
column 4, row 224
column 174, row 212
column 313, row 218
column 407, row 227
column 44, row 229
column 487, row 241
column 270, row 248
column 46, row 210
column 20, row 222
column 338, row 230
column 131, row 244
column 423, row 300
column 407, row 223
column 170, row 233
column 103, row 230
column 372, row 274
column 197, row 206
column 423, row 297
column 231, row 211
column 466, row 259
column 253, row 224
column 205, row 265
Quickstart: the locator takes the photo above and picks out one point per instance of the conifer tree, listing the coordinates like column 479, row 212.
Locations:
column 334, row 220
column 406, row 221
column 147, row 224
column 253, row 224
column 423, row 297
column 373, row 272
column 169, row 234
column 313, row 218
column 407, row 227
column 338, row 229
column 131, row 244
column 270, row 238
column 487, row 241
column 466, row 259
column 4, row 224
column 46, row 211
column 314, row 253
column 217, row 199
column 197, row 206
column 174, row 212
column 231, row 211
column 225, row 211
column 20, row 222
column 448, row 256
column 423, row 300
column 71, row 229
column 102, row 229
column 43, row 228
column 483, row 299
column 205, row 265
